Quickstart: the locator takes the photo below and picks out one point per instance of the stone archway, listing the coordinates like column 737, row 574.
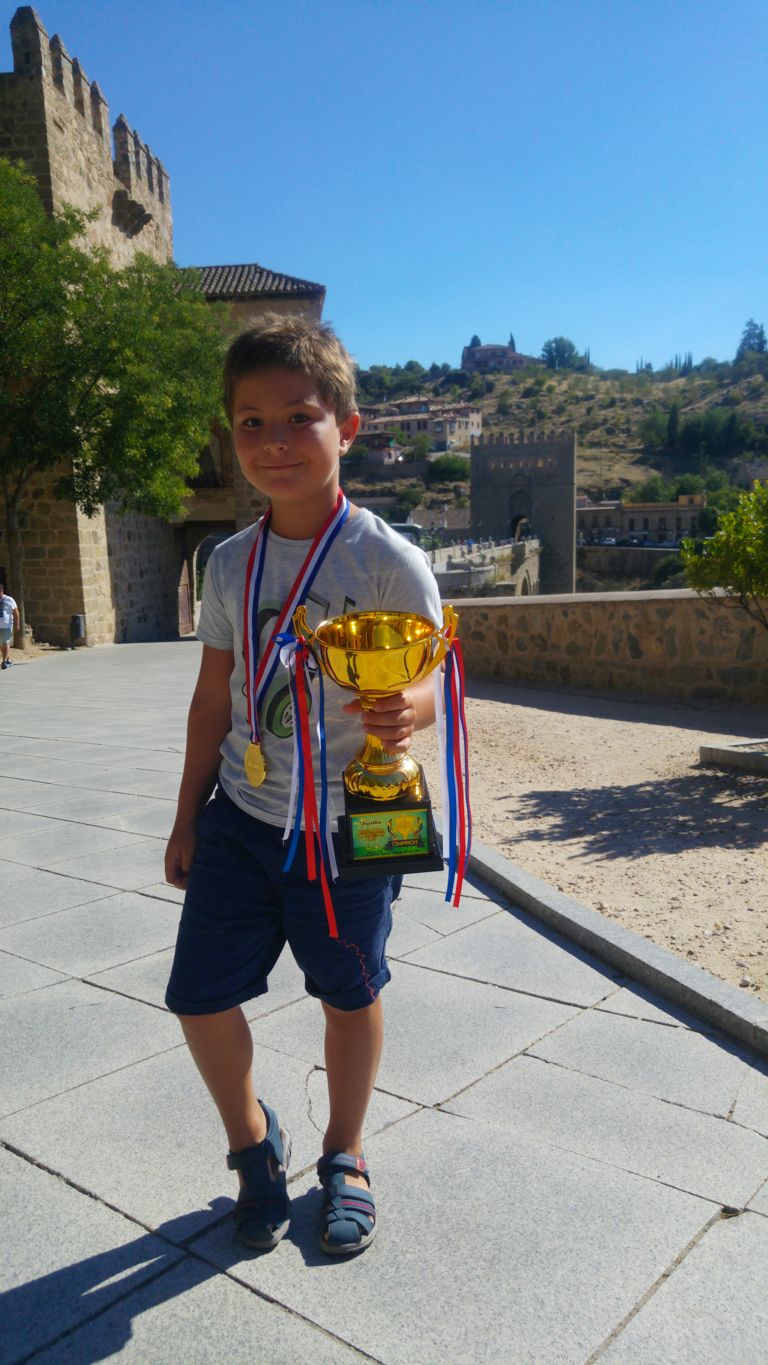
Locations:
column 520, row 507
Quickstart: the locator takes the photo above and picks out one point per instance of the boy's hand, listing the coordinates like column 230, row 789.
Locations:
column 392, row 720
column 179, row 854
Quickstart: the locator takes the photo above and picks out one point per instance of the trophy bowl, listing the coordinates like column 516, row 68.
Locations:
column 378, row 654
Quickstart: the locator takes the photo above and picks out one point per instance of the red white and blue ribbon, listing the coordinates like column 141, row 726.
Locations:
column 297, row 657
column 259, row 672
column 453, row 745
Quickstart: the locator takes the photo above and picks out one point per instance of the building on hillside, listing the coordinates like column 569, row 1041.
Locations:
column 650, row 523
column 516, row 480
column 449, row 426
column 128, row 577
column 494, row 359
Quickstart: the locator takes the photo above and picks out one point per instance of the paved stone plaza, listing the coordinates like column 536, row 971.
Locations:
column 567, row 1168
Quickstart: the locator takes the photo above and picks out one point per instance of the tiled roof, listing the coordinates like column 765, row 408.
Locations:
column 238, row 283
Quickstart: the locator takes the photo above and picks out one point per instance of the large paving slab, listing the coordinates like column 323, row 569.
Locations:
column 134, row 814
column 442, row 1032
column 510, row 950
column 127, row 868
column 18, row 976
column 421, row 905
column 194, row 1316
column 63, row 1035
column 90, row 938
column 494, row 1252
column 696, row 1152
column 638, row 1002
column 147, row 1139
column 712, row 1309
column 673, row 1064
column 760, row 1202
column 29, row 893
column 57, row 839
column 66, row 1257
column 751, row 1107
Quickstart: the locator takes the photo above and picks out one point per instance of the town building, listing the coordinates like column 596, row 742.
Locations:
column 449, row 426
column 643, row 522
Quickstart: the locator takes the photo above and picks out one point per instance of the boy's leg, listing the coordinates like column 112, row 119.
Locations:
column 353, row 1044
column 222, row 1048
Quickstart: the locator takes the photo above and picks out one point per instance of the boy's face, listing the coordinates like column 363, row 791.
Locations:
column 288, row 440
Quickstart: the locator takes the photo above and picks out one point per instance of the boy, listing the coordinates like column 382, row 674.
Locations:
column 9, row 623
column 290, row 395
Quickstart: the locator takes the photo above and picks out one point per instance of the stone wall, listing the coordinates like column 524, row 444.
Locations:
column 672, row 644
column 145, row 561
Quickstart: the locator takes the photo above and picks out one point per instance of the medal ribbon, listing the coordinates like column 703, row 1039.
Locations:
column 297, row 658
column 453, row 745
column 259, row 672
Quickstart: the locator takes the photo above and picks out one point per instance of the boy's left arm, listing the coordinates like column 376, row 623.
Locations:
column 394, row 719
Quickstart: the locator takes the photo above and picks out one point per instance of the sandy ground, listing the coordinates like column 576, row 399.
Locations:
column 604, row 799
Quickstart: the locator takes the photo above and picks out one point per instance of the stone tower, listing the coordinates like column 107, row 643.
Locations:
column 534, row 478
column 57, row 121
column 119, row 573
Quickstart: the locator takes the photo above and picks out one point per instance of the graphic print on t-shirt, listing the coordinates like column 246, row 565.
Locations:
column 276, row 712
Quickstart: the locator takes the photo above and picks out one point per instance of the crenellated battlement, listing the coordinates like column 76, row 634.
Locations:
column 502, row 440
column 57, row 121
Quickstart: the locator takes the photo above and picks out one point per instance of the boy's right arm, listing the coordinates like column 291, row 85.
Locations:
column 208, row 725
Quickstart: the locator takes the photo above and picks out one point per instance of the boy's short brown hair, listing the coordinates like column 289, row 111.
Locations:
column 294, row 343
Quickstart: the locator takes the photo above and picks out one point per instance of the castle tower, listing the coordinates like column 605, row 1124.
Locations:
column 53, row 118
column 533, row 478
column 119, row 572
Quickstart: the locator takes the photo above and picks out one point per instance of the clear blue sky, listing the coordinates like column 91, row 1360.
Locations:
column 588, row 168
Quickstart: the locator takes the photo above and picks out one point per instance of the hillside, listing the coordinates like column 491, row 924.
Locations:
column 608, row 410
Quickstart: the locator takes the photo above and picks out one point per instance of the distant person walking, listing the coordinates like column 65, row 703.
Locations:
column 9, row 622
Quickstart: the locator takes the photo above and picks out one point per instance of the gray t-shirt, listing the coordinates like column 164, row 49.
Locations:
column 369, row 567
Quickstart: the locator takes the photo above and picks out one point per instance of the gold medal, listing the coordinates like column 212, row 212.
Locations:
column 255, row 767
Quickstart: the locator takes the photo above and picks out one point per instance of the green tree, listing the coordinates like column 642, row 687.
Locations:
column 511, row 342
column 673, row 427
column 108, row 379
column 735, row 560
column 752, row 339
column 474, row 342
column 448, row 469
column 560, row 354
column 419, row 447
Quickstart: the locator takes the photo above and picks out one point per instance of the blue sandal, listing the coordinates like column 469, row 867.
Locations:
column 349, row 1213
column 262, row 1211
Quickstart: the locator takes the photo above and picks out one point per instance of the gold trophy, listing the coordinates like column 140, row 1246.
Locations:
column 387, row 826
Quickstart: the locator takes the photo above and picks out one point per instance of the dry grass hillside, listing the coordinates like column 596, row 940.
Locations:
column 606, row 409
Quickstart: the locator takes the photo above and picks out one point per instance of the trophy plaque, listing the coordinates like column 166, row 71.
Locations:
column 387, row 827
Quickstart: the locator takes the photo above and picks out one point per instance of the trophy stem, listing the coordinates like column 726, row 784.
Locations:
column 379, row 775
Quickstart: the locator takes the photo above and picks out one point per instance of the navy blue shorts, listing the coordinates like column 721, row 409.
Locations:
column 241, row 909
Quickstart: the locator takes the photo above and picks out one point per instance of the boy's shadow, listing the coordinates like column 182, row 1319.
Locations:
column 47, row 1309
column 90, row 1305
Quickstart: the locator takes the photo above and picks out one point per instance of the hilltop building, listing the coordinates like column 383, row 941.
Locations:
column 494, row 359
column 128, row 577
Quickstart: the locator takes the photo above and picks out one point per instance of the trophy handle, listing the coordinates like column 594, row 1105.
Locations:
column 302, row 629
column 445, row 638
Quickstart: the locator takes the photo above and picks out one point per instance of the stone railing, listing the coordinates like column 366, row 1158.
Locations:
column 671, row 643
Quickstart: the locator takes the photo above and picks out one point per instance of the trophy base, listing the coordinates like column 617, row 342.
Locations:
column 386, row 838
